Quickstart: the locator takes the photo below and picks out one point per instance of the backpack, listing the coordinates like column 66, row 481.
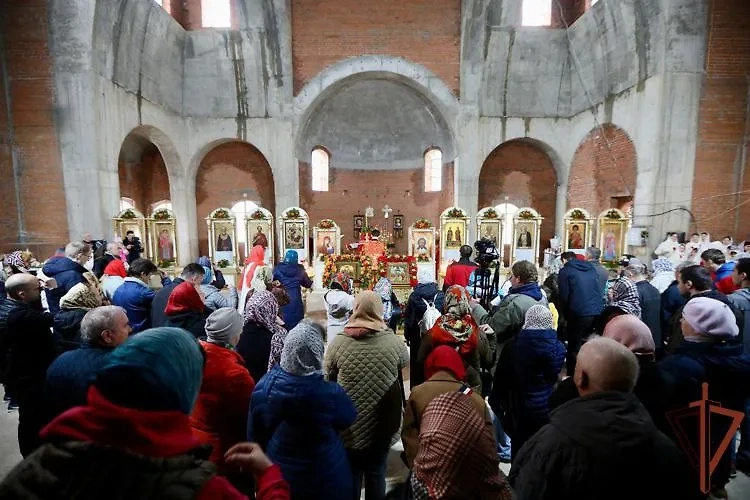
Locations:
column 430, row 316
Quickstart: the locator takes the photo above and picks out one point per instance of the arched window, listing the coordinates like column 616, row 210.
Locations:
column 216, row 14
column 240, row 210
column 507, row 211
column 536, row 13
column 126, row 203
column 433, row 170
column 161, row 204
column 319, row 162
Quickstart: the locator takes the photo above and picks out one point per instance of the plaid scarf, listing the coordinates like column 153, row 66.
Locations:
column 623, row 294
column 262, row 309
column 457, row 453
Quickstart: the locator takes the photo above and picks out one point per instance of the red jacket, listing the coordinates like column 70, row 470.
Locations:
column 219, row 417
column 151, row 434
column 458, row 274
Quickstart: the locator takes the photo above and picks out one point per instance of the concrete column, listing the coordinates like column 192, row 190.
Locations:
column 284, row 165
column 182, row 193
column 561, row 206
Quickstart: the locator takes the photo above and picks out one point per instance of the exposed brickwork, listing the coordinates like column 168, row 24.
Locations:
column 31, row 87
column 524, row 173
column 225, row 174
column 571, row 11
column 354, row 190
column 426, row 32
column 599, row 174
column 146, row 182
column 723, row 122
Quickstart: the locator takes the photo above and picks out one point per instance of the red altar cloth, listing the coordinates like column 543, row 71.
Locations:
column 372, row 248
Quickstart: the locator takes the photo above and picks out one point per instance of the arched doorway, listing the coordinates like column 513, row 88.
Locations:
column 603, row 171
column 230, row 174
column 520, row 173
column 142, row 172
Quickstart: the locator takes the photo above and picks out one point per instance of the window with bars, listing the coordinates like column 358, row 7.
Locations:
column 433, row 170
column 319, row 163
column 536, row 13
column 216, row 14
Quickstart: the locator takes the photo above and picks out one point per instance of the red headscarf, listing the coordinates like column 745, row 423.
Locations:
column 115, row 268
column 184, row 298
column 444, row 358
column 255, row 259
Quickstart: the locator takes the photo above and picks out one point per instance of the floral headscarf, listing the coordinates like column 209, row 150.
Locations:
column 456, row 324
column 344, row 281
column 662, row 265
column 262, row 309
column 15, row 260
column 80, row 296
column 384, row 288
column 623, row 294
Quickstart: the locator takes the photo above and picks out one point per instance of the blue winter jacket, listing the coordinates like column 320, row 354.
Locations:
column 297, row 421
column 136, row 298
column 724, row 270
column 293, row 277
column 580, row 289
column 537, row 360
column 68, row 273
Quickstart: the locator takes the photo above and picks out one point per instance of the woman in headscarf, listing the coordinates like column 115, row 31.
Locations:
column 73, row 307
column 339, row 304
column 366, row 361
column 212, row 296
column 218, row 278
column 457, row 456
column 220, row 413
column 185, row 309
column 457, row 329
column 426, row 292
column 391, row 306
column 260, row 331
column 445, row 373
column 622, row 298
column 292, row 275
column 663, row 274
column 136, row 420
column 114, row 276
column 296, row 416
column 527, row 371
column 255, row 276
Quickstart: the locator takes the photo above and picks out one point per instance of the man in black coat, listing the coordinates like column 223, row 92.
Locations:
column 602, row 444
column 133, row 245
column 32, row 349
column 426, row 292
column 193, row 273
column 650, row 300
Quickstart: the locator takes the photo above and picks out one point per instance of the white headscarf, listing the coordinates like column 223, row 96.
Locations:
column 425, row 275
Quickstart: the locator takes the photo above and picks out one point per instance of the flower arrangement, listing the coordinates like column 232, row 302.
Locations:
column 223, row 263
column 525, row 214
column 258, row 215
column 490, row 213
column 128, row 214
column 330, row 268
column 612, row 214
column 383, row 261
column 577, row 214
column 326, row 224
column 292, row 213
column 422, row 223
column 162, row 214
column 166, row 263
column 455, row 213
column 424, row 258
column 221, row 214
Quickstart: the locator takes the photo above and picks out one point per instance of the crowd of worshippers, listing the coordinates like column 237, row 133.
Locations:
column 131, row 384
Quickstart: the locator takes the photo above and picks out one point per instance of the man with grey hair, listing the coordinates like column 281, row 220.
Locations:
column 593, row 255
column 111, row 253
column 590, row 440
column 650, row 300
column 69, row 377
column 67, row 271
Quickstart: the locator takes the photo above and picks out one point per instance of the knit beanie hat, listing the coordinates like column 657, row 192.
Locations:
column 303, row 350
column 538, row 317
column 223, row 325
column 710, row 317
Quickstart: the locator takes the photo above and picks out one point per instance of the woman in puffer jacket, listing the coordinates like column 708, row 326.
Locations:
column 212, row 296
column 296, row 416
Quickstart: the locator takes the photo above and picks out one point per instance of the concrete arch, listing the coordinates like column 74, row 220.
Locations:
column 197, row 159
column 557, row 163
column 163, row 143
column 397, row 69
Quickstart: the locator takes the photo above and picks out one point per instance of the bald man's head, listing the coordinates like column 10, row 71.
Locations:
column 604, row 364
column 631, row 332
column 23, row 287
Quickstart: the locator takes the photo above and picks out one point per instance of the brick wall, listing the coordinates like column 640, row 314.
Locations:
column 723, row 123
column 350, row 191
column 225, row 174
column 30, row 83
column 146, row 182
column 524, row 173
column 427, row 32
column 571, row 11
column 604, row 167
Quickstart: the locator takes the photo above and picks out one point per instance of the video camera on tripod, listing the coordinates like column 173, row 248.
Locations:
column 486, row 252
column 486, row 280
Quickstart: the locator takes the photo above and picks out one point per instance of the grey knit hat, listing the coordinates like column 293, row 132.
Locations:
column 303, row 350
column 538, row 317
column 223, row 325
